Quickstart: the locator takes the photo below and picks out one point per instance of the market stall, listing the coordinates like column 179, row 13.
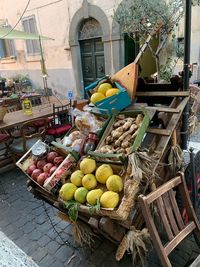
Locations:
column 94, row 174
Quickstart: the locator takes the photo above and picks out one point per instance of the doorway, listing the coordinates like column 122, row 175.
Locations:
column 92, row 59
column 129, row 49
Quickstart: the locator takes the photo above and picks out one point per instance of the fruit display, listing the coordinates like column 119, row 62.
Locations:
column 92, row 184
column 121, row 135
column 47, row 170
column 104, row 90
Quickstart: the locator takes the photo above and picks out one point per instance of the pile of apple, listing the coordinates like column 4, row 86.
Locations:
column 41, row 169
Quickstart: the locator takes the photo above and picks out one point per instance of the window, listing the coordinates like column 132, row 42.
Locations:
column 32, row 46
column 7, row 47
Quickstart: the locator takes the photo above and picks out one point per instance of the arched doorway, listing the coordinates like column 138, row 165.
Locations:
column 88, row 11
column 92, row 51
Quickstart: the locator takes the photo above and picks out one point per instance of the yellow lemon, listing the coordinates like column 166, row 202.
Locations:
column 96, row 97
column 103, row 172
column 114, row 183
column 104, row 87
column 112, row 91
column 67, row 191
column 89, row 181
column 76, row 178
column 80, row 195
column 109, row 199
column 87, row 165
column 93, row 195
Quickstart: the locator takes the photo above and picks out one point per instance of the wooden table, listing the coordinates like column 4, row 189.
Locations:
column 45, row 110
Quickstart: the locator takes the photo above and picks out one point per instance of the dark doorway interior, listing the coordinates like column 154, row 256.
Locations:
column 129, row 49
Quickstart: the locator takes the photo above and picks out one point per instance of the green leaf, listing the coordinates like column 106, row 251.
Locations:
column 95, row 208
column 72, row 207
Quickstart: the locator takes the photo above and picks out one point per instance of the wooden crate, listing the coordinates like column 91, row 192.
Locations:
column 127, row 196
column 137, row 141
column 26, row 160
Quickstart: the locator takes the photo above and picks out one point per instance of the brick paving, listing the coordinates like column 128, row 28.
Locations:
column 24, row 220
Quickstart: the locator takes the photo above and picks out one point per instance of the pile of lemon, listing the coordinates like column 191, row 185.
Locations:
column 84, row 182
column 104, row 90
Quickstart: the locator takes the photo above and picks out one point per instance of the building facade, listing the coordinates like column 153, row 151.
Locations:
column 87, row 44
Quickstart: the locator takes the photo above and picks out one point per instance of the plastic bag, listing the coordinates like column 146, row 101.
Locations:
column 86, row 122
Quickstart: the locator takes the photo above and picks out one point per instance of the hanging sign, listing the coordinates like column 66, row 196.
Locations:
column 70, row 95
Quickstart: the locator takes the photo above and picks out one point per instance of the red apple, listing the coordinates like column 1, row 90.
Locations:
column 58, row 160
column 51, row 156
column 35, row 174
column 30, row 169
column 52, row 170
column 42, row 177
column 47, row 167
column 41, row 163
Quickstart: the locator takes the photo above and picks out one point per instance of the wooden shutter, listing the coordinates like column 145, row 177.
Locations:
column 32, row 46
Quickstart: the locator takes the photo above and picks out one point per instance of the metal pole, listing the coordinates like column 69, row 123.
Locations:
column 44, row 71
column 186, row 70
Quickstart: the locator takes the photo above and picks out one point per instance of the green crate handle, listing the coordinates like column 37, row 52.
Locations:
column 120, row 156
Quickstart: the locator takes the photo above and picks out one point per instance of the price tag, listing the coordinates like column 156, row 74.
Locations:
column 70, row 95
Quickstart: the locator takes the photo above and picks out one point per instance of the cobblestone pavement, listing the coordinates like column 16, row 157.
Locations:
column 28, row 222
column 25, row 220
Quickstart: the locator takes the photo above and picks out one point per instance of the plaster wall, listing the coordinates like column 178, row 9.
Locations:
column 53, row 18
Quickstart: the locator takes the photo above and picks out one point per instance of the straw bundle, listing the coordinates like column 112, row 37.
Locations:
column 81, row 232
column 135, row 243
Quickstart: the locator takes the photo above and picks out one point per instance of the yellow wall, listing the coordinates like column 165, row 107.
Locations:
column 147, row 62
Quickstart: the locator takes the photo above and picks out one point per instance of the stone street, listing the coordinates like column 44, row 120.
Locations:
column 35, row 228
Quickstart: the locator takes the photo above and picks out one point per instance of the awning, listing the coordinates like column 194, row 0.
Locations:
column 5, row 33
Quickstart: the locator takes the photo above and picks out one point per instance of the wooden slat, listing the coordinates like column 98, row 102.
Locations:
column 164, row 218
column 163, row 189
column 153, row 231
column 159, row 131
column 164, row 109
column 164, row 94
column 185, row 232
column 170, row 214
column 162, row 145
column 176, row 209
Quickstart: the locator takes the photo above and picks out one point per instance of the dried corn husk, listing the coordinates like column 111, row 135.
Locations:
column 175, row 159
column 144, row 165
column 135, row 242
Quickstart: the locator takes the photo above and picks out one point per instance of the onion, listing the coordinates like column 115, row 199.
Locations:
column 51, row 156
column 52, row 170
column 42, row 177
column 30, row 169
column 35, row 174
column 58, row 160
column 41, row 163
column 47, row 167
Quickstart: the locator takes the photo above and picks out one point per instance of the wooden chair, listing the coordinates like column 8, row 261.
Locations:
column 13, row 105
column 165, row 201
column 28, row 138
column 61, row 122
column 5, row 140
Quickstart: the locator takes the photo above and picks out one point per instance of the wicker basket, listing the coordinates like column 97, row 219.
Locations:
column 127, row 196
